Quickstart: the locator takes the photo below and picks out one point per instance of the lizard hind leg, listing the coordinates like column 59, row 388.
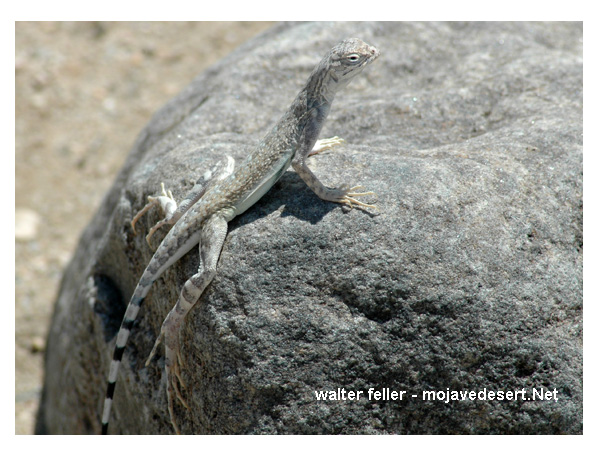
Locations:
column 169, row 208
column 173, row 212
column 214, row 231
column 171, row 333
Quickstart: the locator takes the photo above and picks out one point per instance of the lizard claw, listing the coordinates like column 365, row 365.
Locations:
column 156, row 344
column 170, row 333
column 140, row 213
column 171, row 328
column 166, row 201
column 174, row 380
column 350, row 193
column 325, row 144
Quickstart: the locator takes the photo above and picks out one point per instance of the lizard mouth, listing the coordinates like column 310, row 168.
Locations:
column 374, row 54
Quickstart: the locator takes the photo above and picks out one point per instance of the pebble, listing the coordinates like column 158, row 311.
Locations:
column 27, row 224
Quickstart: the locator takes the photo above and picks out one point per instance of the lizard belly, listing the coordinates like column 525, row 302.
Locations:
column 259, row 190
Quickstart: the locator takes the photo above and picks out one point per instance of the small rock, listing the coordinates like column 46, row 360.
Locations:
column 26, row 224
column 38, row 344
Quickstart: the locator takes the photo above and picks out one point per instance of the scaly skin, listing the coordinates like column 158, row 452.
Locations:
column 224, row 193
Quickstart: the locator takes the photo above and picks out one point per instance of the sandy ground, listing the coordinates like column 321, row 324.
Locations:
column 84, row 90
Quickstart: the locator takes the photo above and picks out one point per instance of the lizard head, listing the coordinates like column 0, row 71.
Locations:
column 344, row 62
column 349, row 58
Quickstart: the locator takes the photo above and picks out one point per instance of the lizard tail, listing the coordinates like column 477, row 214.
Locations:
column 121, row 341
column 170, row 250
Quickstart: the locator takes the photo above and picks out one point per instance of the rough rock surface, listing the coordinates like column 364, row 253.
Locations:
column 467, row 278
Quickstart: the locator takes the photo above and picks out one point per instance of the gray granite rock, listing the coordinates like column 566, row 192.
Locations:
column 467, row 278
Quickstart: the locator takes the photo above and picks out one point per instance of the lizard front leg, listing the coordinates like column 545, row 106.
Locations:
column 343, row 194
column 214, row 231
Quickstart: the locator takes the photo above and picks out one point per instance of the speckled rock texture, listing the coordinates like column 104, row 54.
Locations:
column 468, row 277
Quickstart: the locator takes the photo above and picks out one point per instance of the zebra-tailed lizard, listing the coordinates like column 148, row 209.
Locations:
column 225, row 192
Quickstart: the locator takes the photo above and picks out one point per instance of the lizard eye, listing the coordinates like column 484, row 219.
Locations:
column 353, row 57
